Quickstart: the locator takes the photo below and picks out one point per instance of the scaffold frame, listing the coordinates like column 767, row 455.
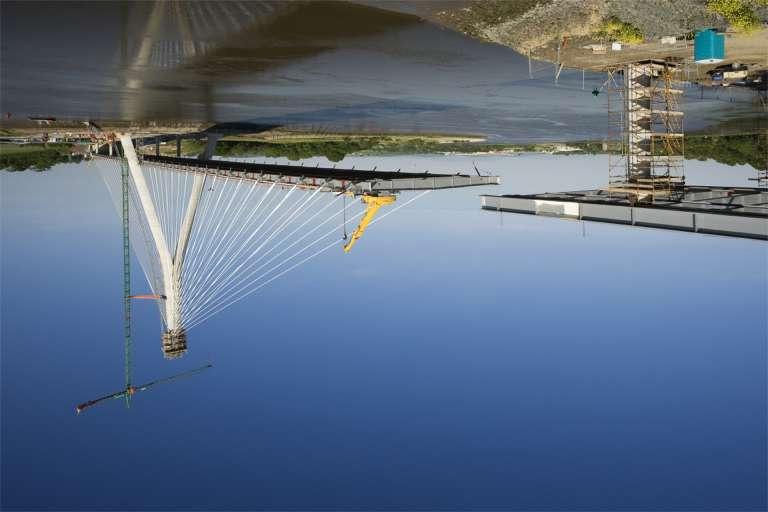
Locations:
column 645, row 131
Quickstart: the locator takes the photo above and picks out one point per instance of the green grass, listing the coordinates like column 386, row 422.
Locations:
column 6, row 149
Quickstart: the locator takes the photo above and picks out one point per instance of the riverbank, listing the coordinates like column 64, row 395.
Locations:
column 579, row 33
column 730, row 149
column 731, row 142
column 38, row 157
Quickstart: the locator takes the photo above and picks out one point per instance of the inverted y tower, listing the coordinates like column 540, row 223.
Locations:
column 174, row 339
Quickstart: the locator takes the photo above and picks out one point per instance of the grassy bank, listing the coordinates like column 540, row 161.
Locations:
column 336, row 150
column 36, row 157
column 559, row 30
column 741, row 149
column 744, row 149
column 749, row 149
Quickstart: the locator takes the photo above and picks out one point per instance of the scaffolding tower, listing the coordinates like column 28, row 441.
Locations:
column 645, row 132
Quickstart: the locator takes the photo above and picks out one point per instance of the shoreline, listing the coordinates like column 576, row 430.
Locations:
column 744, row 148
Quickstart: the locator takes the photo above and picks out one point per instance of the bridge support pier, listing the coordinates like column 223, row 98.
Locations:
column 210, row 146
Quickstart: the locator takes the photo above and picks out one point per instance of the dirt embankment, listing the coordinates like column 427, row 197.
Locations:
column 526, row 25
column 541, row 28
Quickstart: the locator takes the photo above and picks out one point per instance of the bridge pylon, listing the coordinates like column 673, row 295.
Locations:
column 174, row 339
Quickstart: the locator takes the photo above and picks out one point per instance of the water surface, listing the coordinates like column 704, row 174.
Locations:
column 317, row 65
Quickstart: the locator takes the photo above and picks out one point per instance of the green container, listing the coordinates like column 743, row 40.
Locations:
column 708, row 46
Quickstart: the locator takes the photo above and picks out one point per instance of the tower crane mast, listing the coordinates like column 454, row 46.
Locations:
column 127, row 343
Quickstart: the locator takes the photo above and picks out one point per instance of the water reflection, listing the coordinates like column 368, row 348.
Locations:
column 331, row 64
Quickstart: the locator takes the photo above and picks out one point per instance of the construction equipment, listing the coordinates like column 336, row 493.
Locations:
column 127, row 343
column 373, row 203
column 129, row 391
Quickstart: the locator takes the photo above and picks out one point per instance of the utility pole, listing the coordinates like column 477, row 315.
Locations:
column 530, row 66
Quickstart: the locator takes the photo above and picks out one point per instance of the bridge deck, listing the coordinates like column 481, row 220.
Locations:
column 331, row 178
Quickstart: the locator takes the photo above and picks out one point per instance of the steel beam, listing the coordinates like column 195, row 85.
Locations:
column 339, row 180
column 331, row 178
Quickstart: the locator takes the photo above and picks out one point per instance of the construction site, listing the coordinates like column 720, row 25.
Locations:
column 646, row 183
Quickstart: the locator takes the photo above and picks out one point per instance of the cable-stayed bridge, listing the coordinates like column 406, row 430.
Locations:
column 215, row 231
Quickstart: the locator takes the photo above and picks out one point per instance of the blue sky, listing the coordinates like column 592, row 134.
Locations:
column 455, row 359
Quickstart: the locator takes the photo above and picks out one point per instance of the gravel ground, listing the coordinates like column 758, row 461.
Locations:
column 526, row 24
column 657, row 18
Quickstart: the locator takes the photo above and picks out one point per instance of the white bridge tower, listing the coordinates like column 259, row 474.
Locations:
column 171, row 258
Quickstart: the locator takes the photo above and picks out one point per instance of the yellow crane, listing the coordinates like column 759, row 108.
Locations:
column 373, row 203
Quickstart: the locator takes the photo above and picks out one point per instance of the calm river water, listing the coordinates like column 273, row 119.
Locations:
column 322, row 65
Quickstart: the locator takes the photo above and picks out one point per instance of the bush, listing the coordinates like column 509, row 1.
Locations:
column 737, row 13
column 616, row 30
column 333, row 150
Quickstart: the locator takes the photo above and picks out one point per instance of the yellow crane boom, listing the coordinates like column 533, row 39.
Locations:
column 373, row 203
